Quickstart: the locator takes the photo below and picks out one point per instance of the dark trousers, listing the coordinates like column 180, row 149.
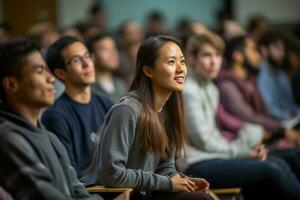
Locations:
column 270, row 179
column 291, row 156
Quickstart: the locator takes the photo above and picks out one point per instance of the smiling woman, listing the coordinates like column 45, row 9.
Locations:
column 144, row 131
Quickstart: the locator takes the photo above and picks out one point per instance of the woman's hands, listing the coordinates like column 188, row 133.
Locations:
column 187, row 184
column 201, row 185
column 182, row 184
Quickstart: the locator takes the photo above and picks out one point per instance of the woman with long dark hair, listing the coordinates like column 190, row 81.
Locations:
column 144, row 131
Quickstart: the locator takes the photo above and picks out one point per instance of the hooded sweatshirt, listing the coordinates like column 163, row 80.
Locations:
column 35, row 164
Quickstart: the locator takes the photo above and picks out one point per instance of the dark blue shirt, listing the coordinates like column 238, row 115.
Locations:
column 75, row 124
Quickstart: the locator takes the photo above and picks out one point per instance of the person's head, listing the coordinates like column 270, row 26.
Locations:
column 24, row 77
column 97, row 15
column 87, row 28
column 232, row 29
column 72, row 31
column 130, row 33
column 243, row 51
column 45, row 33
column 160, row 66
column 272, row 47
column 258, row 24
column 105, row 52
column 155, row 23
column 70, row 61
column 5, row 32
column 204, row 54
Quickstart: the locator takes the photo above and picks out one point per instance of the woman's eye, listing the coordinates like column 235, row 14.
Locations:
column 182, row 62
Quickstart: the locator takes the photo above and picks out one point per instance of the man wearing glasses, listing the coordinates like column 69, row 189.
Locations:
column 77, row 113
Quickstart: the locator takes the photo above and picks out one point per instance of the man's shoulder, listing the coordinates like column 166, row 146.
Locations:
column 11, row 136
column 192, row 86
column 60, row 106
column 102, row 99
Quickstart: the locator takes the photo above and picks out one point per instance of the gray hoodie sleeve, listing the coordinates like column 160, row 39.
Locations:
column 117, row 138
column 27, row 177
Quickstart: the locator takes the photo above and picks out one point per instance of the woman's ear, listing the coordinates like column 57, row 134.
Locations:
column 147, row 71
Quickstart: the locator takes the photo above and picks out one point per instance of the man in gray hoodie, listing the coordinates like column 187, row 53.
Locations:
column 34, row 164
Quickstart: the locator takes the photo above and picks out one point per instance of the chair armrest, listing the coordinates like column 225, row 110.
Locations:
column 100, row 188
column 224, row 191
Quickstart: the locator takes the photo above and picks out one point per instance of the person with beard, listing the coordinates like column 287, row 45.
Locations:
column 239, row 93
column 243, row 162
column 272, row 81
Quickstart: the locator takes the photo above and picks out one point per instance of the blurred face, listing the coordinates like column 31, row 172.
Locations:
column 252, row 56
column 276, row 53
column 170, row 70
column 79, row 66
column 36, row 84
column 133, row 33
column 208, row 62
column 106, row 54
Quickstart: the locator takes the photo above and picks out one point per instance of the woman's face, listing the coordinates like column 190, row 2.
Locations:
column 169, row 71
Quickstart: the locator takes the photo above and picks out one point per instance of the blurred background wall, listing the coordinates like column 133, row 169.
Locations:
column 21, row 14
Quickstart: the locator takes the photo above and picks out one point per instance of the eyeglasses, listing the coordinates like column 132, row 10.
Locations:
column 78, row 60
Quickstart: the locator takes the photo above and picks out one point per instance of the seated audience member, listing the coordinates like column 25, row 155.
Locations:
column 34, row 163
column 272, row 81
column 243, row 162
column 238, row 89
column 106, row 59
column 295, row 86
column 131, row 37
column 144, row 131
column 4, row 195
column 5, row 32
column 77, row 114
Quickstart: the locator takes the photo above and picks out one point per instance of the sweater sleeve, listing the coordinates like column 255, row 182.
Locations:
column 118, row 136
column 203, row 134
column 25, row 176
column 166, row 167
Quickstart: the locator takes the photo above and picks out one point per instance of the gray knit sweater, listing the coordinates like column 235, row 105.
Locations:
column 201, row 99
column 120, row 157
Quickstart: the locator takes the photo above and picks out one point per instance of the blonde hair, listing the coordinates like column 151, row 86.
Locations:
column 196, row 42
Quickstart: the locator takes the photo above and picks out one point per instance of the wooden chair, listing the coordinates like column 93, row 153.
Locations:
column 228, row 193
column 222, row 194
column 101, row 189
column 110, row 193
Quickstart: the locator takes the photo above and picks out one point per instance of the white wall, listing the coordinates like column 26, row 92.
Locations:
column 277, row 11
column 121, row 10
column 70, row 11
